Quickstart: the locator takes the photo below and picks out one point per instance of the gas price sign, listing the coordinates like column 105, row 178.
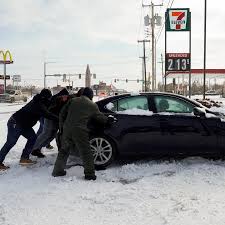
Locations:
column 177, row 62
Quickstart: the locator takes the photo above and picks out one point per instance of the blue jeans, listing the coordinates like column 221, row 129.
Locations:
column 40, row 132
column 14, row 132
column 49, row 132
column 41, row 126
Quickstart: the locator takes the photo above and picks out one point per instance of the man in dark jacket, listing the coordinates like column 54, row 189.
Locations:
column 21, row 123
column 73, row 121
column 50, row 127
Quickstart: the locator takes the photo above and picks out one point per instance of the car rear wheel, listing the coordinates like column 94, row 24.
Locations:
column 103, row 151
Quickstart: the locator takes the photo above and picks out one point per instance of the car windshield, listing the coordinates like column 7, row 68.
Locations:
column 10, row 92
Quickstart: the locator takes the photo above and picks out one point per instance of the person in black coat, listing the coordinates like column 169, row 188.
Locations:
column 21, row 123
column 50, row 127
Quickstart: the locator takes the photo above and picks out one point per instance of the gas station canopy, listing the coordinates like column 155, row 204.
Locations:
column 198, row 74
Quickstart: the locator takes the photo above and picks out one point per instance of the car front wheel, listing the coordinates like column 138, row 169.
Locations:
column 103, row 151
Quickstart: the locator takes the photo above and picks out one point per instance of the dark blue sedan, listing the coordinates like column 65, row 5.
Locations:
column 157, row 124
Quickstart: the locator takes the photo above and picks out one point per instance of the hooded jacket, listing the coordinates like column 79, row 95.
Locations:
column 28, row 116
column 58, row 101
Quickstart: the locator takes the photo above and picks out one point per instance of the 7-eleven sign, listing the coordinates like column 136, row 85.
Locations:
column 177, row 20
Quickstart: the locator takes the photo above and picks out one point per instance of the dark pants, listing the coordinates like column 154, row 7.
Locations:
column 79, row 140
column 14, row 132
column 49, row 132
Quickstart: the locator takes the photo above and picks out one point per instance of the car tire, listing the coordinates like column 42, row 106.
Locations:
column 104, row 151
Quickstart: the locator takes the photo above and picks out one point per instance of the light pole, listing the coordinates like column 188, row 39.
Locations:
column 45, row 63
column 204, row 74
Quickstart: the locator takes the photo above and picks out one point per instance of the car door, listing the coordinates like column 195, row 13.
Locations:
column 135, row 128
column 182, row 132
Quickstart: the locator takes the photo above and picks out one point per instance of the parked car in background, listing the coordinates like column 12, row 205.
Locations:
column 13, row 96
column 157, row 124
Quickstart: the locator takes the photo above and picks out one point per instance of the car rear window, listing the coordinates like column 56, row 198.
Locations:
column 132, row 102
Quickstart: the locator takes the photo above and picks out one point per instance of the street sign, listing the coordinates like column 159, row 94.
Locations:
column 178, row 19
column 177, row 62
column 2, row 77
column 17, row 78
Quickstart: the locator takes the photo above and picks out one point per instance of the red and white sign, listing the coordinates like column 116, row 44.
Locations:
column 178, row 19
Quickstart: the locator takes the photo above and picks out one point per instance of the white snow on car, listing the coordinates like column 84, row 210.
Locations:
column 136, row 111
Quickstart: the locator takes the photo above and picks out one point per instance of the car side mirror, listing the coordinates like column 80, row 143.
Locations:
column 199, row 112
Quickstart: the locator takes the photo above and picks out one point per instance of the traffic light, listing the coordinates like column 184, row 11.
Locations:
column 94, row 76
column 126, row 80
column 137, row 80
column 115, row 80
column 79, row 76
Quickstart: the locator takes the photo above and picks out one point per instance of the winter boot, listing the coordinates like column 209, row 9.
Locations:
column 99, row 167
column 3, row 167
column 26, row 162
column 38, row 153
column 59, row 174
column 90, row 177
column 49, row 147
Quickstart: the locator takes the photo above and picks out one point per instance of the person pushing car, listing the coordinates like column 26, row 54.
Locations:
column 73, row 124
column 21, row 123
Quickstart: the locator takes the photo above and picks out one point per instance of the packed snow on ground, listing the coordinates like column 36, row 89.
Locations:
column 144, row 192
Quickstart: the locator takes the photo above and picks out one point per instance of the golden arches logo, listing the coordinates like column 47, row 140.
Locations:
column 6, row 57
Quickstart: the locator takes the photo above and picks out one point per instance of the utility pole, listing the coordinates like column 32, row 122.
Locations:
column 204, row 72
column 143, row 74
column 153, row 47
column 144, row 59
column 162, row 62
column 152, row 23
column 4, row 78
column 45, row 75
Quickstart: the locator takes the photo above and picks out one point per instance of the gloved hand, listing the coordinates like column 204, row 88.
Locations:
column 111, row 119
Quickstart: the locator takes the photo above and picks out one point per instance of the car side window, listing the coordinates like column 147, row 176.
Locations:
column 136, row 102
column 169, row 104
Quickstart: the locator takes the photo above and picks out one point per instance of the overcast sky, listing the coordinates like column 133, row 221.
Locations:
column 104, row 34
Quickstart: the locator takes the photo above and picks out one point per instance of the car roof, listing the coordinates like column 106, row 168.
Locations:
column 115, row 97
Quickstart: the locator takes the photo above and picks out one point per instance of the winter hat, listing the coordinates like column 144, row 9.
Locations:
column 80, row 92
column 64, row 91
column 88, row 93
column 46, row 93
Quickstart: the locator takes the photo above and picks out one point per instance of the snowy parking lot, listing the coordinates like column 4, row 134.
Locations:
column 141, row 192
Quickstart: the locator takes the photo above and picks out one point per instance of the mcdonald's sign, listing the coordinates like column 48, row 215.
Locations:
column 5, row 57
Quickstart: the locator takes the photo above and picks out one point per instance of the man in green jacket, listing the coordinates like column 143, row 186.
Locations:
column 73, row 121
